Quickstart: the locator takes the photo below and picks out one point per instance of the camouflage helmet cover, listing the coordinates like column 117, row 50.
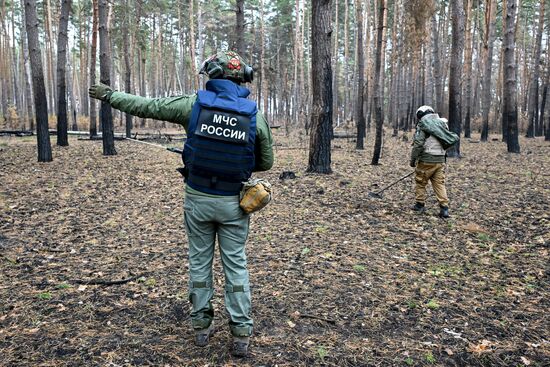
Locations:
column 227, row 65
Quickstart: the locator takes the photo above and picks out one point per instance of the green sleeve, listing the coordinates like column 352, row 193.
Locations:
column 263, row 145
column 418, row 144
column 171, row 109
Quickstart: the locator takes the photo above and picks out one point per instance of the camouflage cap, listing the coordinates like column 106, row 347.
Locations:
column 227, row 65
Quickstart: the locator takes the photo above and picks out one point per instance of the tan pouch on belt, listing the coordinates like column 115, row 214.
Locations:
column 255, row 195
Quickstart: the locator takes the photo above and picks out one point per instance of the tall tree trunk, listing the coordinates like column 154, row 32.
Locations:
column 83, row 50
column 543, row 102
column 26, row 73
column 201, row 37
column 346, row 62
column 378, row 88
column 467, row 96
column 49, row 54
column 437, row 68
column 239, row 27
column 321, row 75
column 533, row 128
column 71, row 76
column 335, row 77
column 510, row 107
column 93, row 109
column 297, row 40
column 192, row 47
column 359, row 111
column 39, row 89
column 62, row 124
column 263, row 70
column 127, row 68
column 455, row 76
column 490, row 17
column 105, row 78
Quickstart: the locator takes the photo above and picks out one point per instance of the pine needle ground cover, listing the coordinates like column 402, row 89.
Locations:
column 93, row 268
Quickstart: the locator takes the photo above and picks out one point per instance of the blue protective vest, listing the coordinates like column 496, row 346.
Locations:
column 219, row 151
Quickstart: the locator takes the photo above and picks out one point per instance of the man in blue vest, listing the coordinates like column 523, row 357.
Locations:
column 227, row 139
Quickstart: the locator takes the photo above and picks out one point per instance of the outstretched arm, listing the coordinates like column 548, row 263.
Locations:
column 171, row 109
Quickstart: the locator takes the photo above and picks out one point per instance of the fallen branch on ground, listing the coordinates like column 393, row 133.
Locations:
column 108, row 282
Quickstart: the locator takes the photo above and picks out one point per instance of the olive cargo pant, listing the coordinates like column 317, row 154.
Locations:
column 434, row 172
column 204, row 218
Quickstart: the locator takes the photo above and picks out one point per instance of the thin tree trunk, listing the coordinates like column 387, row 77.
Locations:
column 192, row 47
column 127, row 68
column 321, row 75
column 39, row 89
column 346, row 62
column 105, row 78
column 533, row 128
column 49, row 54
column 335, row 77
column 510, row 107
column 467, row 96
column 71, row 92
column 239, row 27
column 27, row 74
column 378, row 88
column 359, row 111
column 439, row 83
column 455, row 75
column 490, row 17
column 62, row 40
column 93, row 109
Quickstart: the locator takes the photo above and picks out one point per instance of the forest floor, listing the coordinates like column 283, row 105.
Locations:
column 338, row 278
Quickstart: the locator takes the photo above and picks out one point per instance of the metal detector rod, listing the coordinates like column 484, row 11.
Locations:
column 174, row 150
column 387, row 187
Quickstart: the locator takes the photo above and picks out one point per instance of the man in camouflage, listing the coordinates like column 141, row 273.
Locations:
column 428, row 157
column 227, row 139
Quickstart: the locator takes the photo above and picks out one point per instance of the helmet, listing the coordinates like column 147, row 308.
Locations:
column 423, row 111
column 227, row 65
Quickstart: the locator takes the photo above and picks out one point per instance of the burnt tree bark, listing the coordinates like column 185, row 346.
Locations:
column 321, row 75
column 378, row 89
column 509, row 98
column 239, row 28
column 38, row 86
column 62, row 124
column 455, row 75
column 106, row 114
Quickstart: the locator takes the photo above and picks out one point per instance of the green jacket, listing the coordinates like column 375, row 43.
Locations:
column 418, row 153
column 178, row 110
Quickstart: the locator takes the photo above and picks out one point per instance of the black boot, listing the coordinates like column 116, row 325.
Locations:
column 240, row 346
column 418, row 207
column 202, row 337
column 444, row 212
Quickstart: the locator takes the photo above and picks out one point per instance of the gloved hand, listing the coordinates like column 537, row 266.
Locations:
column 100, row 91
column 413, row 164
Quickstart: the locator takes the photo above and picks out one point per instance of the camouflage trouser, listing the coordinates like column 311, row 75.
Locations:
column 434, row 172
column 206, row 217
